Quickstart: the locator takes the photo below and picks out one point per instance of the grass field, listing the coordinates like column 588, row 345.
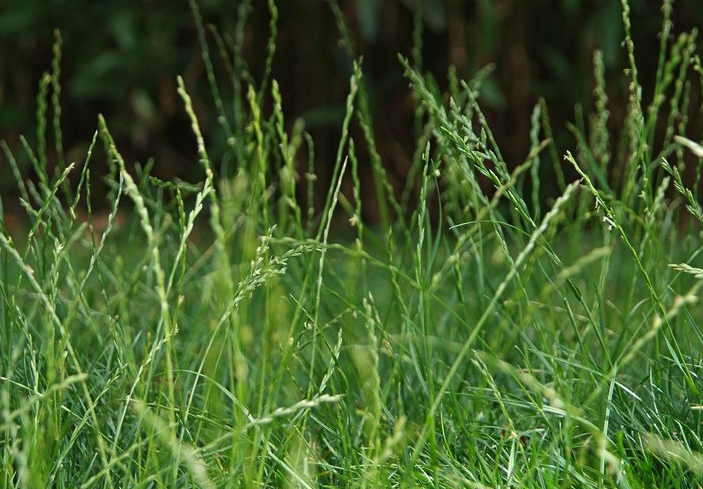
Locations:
column 501, row 326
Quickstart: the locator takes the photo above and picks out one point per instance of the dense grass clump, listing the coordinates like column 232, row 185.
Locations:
column 532, row 325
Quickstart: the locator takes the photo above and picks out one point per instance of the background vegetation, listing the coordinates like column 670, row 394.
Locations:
column 121, row 59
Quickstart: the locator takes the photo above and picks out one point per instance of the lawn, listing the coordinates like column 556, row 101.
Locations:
column 527, row 324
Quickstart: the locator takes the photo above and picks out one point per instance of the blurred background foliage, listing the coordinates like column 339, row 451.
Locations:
column 120, row 58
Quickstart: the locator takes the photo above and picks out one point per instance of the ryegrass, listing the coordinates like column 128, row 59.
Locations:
column 502, row 328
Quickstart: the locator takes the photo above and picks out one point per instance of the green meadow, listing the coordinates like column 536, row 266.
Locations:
column 526, row 324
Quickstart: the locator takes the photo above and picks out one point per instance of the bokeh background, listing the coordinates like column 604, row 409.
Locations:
column 121, row 58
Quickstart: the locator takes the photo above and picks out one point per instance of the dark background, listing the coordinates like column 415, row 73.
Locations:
column 121, row 59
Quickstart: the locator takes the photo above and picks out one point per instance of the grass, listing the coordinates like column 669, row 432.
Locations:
column 501, row 326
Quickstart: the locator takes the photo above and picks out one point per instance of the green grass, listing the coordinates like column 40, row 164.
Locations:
column 500, row 327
